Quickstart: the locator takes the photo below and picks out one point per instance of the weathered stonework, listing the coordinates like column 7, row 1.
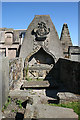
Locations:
column 10, row 42
column 39, row 61
column 70, row 75
column 74, row 53
column 15, row 71
column 39, row 76
column 51, row 41
column 4, row 80
column 38, row 54
column 40, row 33
column 65, row 39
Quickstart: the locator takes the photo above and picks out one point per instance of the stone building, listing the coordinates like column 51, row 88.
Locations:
column 10, row 42
column 41, row 34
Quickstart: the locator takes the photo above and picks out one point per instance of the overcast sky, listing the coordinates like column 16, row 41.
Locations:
column 18, row 15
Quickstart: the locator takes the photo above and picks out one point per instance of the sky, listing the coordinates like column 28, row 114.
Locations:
column 18, row 15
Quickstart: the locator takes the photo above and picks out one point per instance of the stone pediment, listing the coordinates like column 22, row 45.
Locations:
column 41, row 32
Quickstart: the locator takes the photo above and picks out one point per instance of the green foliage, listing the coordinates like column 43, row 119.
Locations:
column 39, row 79
column 6, row 104
column 13, row 111
column 19, row 103
column 3, row 109
column 9, row 100
column 29, row 79
column 73, row 105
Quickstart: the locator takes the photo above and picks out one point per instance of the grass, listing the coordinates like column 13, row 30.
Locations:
column 18, row 102
column 73, row 105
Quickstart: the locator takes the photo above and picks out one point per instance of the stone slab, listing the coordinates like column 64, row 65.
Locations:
column 47, row 111
column 34, row 84
column 18, row 93
column 40, row 67
column 67, row 97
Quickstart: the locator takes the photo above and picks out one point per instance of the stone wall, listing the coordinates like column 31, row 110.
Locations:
column 15, row 71
column 70, row 75
column 4, row 80
column 10, row 42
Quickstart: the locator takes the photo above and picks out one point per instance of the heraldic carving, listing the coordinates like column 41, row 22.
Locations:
column 41, row 31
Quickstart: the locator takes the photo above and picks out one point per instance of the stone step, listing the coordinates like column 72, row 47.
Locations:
column 38, row 84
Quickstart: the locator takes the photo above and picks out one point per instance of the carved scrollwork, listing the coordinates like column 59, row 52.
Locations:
column 41, row 31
